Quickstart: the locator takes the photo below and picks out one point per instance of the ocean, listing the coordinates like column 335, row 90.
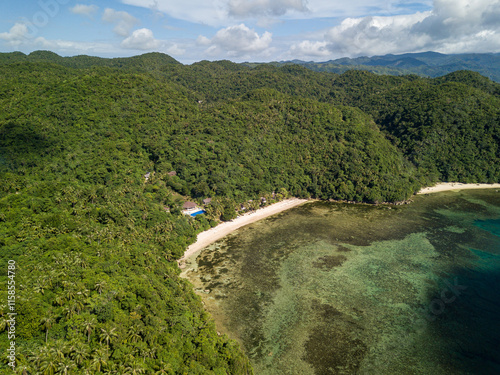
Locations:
column 333, row 288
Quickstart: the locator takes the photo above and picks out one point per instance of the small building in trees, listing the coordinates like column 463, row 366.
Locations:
column 191, row 209
column 189, row 205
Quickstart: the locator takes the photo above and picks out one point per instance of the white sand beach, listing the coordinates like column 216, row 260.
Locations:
column 210, row 236
column 214, row 234
column 447, row 186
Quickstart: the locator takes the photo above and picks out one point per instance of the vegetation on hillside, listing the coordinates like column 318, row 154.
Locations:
column 448, row 126
column 96, row 243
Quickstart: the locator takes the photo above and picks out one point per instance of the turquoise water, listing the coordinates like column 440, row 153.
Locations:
column 329, row 288
column 197, row 213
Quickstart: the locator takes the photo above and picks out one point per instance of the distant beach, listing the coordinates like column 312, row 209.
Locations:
column 220, row 231
column 448, row 186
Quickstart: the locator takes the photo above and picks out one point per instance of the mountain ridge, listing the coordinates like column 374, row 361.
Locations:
column 428, row 64
column 425, row 64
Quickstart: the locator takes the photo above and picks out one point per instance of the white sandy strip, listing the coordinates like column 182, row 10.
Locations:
column 210, row 236
column 447, row 186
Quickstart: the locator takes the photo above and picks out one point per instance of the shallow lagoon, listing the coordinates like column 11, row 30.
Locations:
column 330, row 288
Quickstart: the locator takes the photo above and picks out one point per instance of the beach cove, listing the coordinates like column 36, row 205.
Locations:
column 223, row 229
column 341, row 288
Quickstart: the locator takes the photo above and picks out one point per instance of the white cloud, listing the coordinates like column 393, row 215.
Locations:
column 175, row 50
column 375, row 35
column 203, row 41
column 252, row 8
column 84, row 10
column 236, row 41
column 221, row 12
column 452, row 26
column 309, row 49
column 123, row 21
column 142, row 39
column 16, row 35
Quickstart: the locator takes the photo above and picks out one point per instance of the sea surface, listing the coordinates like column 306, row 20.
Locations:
column 332, row 288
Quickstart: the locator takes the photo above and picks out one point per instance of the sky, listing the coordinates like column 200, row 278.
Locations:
column 249, row 30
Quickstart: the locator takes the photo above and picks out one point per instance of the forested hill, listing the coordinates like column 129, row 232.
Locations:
column 429, row 64
column 96, row 242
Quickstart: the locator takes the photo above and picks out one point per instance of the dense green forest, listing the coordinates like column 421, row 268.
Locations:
column 96, row 243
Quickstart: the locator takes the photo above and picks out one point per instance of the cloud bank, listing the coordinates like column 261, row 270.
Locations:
column 452, row 26
column 237, row 40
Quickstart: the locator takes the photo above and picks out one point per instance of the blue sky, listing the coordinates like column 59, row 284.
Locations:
column 250, row 30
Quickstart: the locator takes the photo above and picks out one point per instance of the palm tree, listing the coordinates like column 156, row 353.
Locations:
column 81, row 291
column 164, row 368
column 99, row 359
column 99, row 286
column 148, row 352
column 3, row 323
column 23, row 366
column 48, row 363
column 79, row 305
column 135, row 368
column 107, row 334
column 59, row 299
column 88, row 325
column 79, row 352
column 70, row 310
column 120, row 370
column 47, row 322
column 92, row 195
column 59, row 349
column 40, row 287
column 37, row 356
column 70, row 293
column 134, row 333
column 65, row 366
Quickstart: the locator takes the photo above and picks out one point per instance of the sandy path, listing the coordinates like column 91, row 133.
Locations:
column 447, row 186
column 210, row 236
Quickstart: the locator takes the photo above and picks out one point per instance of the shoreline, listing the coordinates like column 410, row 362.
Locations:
column 223, row 229
column 214, row 234
column 452, row 186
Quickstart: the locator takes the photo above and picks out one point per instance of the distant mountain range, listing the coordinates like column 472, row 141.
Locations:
column 430, row 64
column 425, row 64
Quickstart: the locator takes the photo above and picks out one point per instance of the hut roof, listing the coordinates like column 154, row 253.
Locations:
column 187, row 205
